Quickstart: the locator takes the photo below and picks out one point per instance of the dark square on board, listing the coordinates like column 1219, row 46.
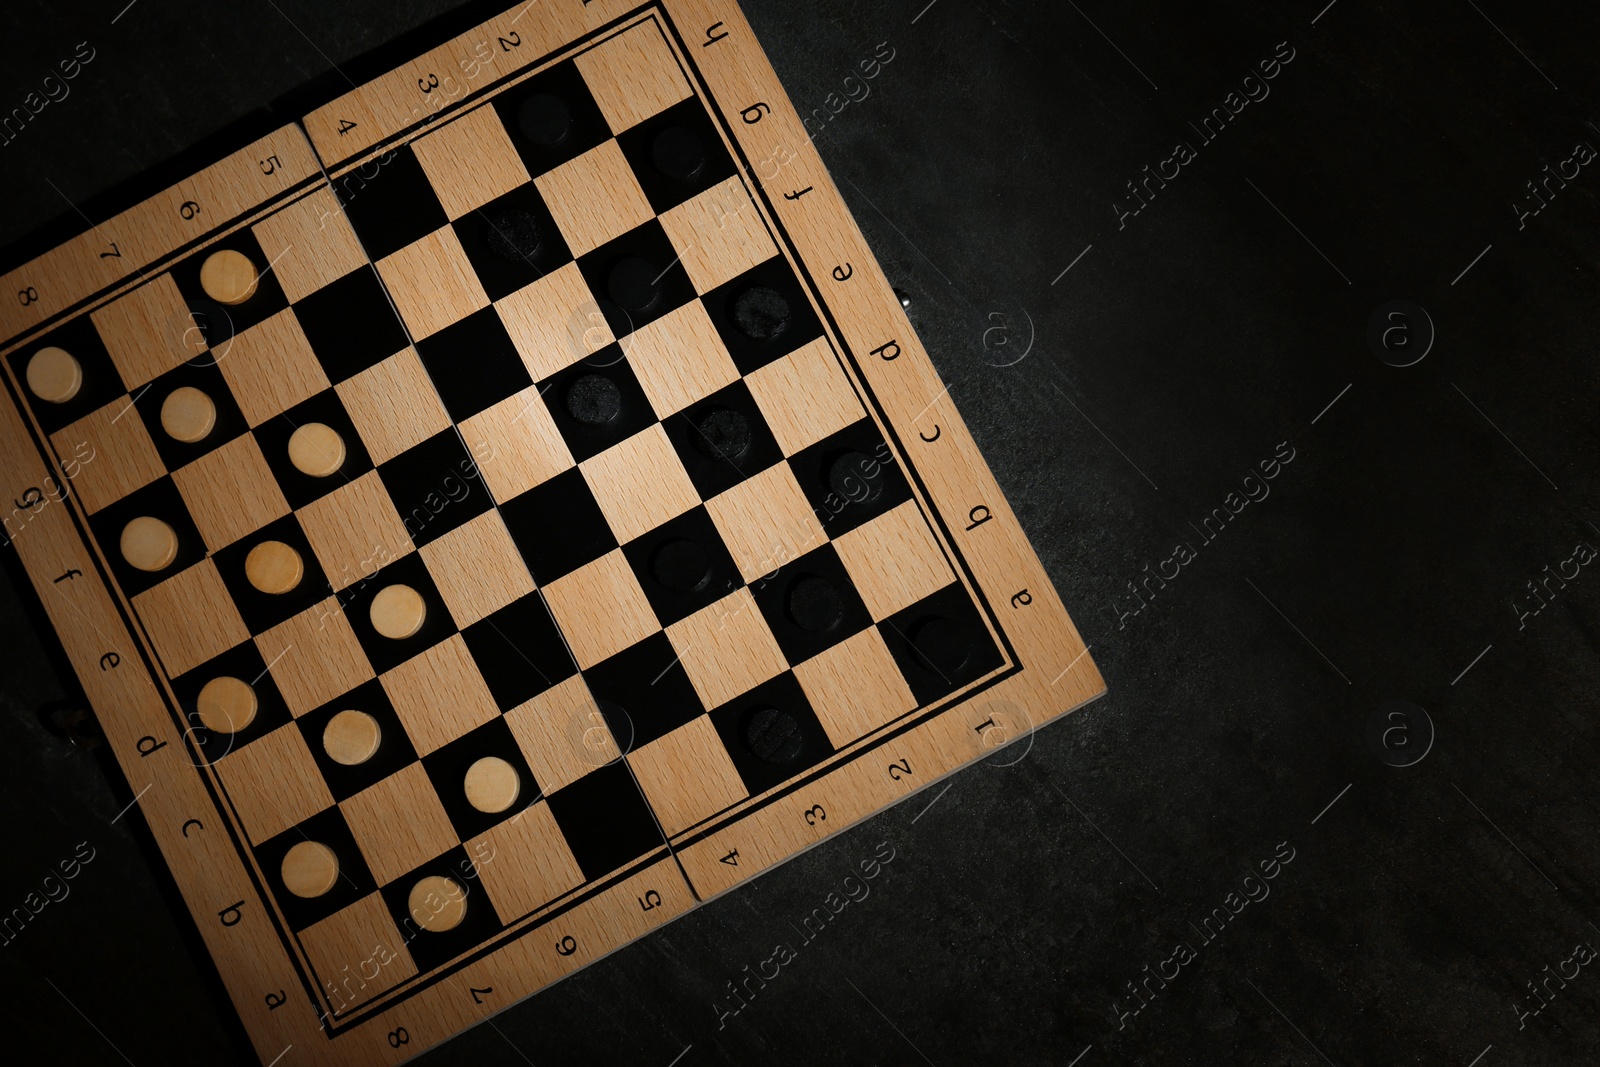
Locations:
column 159, row 500
column 101, row 382
column 243, row 661
column 473, row 364
column 201, row 374
column 390, row 202
column 810, row 604
column 762, row 315
column 394, row 751
column 436, row 486
column 386, row 653
column 218, row 322
column 350, row 324
column 262, row 611
column 605, row 820
column 636, row 278
column 683, row 565
column 300, row 488
column 512, row 241
column 643, row 692
column 558, row 527
column 722, row 440
column 940, row 643
column 552, row 118
column 429, row 948
column 519, row 651
column 329, row 829
column 677, row 155
column 771, row 733
column 850, row 477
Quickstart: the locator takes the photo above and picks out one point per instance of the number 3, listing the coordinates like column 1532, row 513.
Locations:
column 428, row 85
column 815, row 814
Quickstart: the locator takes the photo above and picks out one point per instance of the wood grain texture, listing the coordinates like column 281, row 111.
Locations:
column 600, row 608
column 439, row 695
column 726, row 648
column 432, row 283
column 354, row 530
column 122, row 457
column 594, row 198
column 314, row 657
column 805, row 396
column 640, row 483
column 478, row 569
column 398, row 823
column 687, row 775
column 230, row 492
column 393, row 405
column 270, row 368
column 679, row 358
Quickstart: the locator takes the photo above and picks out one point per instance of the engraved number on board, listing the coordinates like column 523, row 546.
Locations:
column 115, row 253
column 650, row 901
column 474, row 991
column 428, row 84
column 345, row 126
column 398, row 1037
column 188, row 209
column 731, row 859
column 269, row 164
column 566, row 946
column 510, row 41
column 815, row 814
column 899, row 769
column 28, row 295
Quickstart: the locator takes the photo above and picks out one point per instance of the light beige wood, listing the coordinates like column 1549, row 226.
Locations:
column 398, row 823
column 230, row 492
column 640, row 483
column 393, row 405
column 470, row 162
column 766, row 522
column 351, row 737
column 314, row 657
column 316, row 449
column 543, row 870
column 633, row 76
column 516, row 444
column 805, row 396
column 477, row 569
column 359, row 953
column 594, row 198
column 432, row 283
column 720, row 233
column 228, row 276
column 687, row 775
column 354, row 530
column 437, row 903
column 492, row 784
column 116, row 455
column 726, row 648
column 309, row 869
column 562, row 734
column 274, row 567
column 309, row 243
column 274, row 783
column 893, row 560
column 439, row 695
column 398, row 611
column 148, row 331
column 855, row 687
column 149, row 544
column 226, row 704
column 679, row 359
column 188, row 415
column 270, row 368
column 54, row 375
column 190, row 617
column 601, row 609
column 554, row 322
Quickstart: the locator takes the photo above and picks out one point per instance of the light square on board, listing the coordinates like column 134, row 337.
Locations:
column 477, row 569
column 148, row 331
column 309, row 244
column 679, row 359
column 600, row 608
column 432, row 283
column 639, row 484
column 399, row 823
column 855, row 687
column 805, row 396
column 687, row 775
column 314, row 657
column 516, row 444
column 270, row 367
column 719, row 233
column 354, row 937
column 230, row 492
column 633, row 75
column 274, row 783
column 726, row 648
column 562, row 734
column 394, row 406
column 594, row 198
column 894, row 561
column 122, row 456
column 766, row 521
column 439, row 695
column 525, row 863
column 190, row 618
column 470, row 161
column 355, row 530
column 554, row 322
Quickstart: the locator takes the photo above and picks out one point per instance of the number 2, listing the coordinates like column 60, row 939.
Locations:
column 815, row 814
column 899, row 769
column 510, row 41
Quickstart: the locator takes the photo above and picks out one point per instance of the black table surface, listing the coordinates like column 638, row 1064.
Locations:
column 1134, row 350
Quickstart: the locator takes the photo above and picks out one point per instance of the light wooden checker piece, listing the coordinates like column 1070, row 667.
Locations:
column 867, row 727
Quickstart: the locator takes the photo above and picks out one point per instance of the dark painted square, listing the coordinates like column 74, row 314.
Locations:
column 722, row 440
column 350, row 324
column 299, row 488
column 676, row 155
column 395, row 751
column 850, row 477
column 940, row 643
column 473, row 364
column 101, row 382
column 519, row 651
column 447, row 770
column 201, row 374
column 810, row 604
column 262, row 611
column 429, row 949
column 511, row 241
column 436, row 486
column 683, row 566
column 552, row 118
column 750, row 346
column 159, row 499
column 355, row 878
column 569, row 396
column 558, row 527
column 771, row 733
column 390, row 202
column 643, row 692
column 644, row 248
column 386, row 653
column 243, row 662
column 605, row 820
column 217, row 321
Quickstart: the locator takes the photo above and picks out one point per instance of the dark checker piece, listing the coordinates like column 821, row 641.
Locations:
column 636, row 278
column 850, row 477
column 762, row 315
column 512, row 241
column 682, row 566
column 940, row 643
column 552, row 118
column 771, row 733
column 676, row 155
column 810, row 604
column 722, row 440
column 597, row 403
